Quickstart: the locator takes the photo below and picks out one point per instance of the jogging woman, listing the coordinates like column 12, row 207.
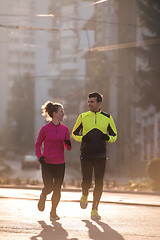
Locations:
column 54, row 136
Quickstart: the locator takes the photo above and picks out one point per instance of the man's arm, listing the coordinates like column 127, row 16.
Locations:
column 112, row 131
column 76, row 129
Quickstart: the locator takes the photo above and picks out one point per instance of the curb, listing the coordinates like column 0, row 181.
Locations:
column 69, row 189
column 105, row 200
column 102, row 201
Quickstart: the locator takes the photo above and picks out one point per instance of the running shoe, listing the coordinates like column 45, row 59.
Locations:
column 95, row 215
column 53, row 216
column 83, row 201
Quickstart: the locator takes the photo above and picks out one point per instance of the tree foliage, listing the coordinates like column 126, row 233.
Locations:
column 21, row 115
column 149, row 77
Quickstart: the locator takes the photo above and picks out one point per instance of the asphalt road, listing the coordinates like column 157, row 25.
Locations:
column 124, row 217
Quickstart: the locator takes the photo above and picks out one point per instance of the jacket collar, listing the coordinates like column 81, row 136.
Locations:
column 96, row 112
column 55, row 125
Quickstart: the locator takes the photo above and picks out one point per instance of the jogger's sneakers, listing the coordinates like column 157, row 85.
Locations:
column 53, row 216
column 83, row 201
column 41, row 203
column 95, row 215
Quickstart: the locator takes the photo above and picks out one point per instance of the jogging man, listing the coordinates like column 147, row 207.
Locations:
column 93, row 129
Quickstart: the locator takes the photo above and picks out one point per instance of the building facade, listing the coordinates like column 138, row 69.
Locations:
column 67, row 65
column 17, row 57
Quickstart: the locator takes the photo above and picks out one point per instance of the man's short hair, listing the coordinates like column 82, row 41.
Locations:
column 97, row 95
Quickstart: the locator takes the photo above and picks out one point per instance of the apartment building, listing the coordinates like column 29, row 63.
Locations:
column 68, row 44
column 43, row 69
column 24, row 50
column 17, row 53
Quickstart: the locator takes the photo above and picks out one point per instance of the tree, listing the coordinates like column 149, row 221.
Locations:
column 20, row 113
column 149, row 78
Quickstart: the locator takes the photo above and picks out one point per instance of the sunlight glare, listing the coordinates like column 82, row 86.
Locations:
column 45, row 15
column 100, row 1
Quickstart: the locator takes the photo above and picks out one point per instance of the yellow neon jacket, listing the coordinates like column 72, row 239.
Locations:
column 89, row 129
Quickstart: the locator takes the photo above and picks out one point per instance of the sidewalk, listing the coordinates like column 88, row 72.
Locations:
column 74, row 194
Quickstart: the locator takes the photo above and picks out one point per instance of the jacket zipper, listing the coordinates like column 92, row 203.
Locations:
column 95, row 118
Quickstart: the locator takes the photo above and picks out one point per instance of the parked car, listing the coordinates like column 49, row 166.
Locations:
column 30, row 161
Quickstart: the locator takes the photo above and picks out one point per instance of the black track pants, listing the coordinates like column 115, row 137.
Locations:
column 88, row 167
column 53, row 176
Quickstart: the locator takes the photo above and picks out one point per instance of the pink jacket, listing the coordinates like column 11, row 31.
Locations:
column 53, row 138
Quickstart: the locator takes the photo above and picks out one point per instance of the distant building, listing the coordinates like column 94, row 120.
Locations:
column 146, row 145
column 67, row 46
column 150, row 138
column 17, row 56
column 25, row 50
column 43, row 69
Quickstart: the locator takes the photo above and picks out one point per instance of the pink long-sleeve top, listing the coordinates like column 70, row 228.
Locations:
column 53, row 139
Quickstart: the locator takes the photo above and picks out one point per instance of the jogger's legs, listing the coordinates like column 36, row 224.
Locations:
column 53, row 176
column 47, row 176
column 99, row 171
column 59, row 170
column 87, row 170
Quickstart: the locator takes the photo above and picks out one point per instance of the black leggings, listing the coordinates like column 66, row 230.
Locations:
column 88, row 166
column 53, row 176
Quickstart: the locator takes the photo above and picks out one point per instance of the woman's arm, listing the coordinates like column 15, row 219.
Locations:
column 67, row 141
column 39, row 141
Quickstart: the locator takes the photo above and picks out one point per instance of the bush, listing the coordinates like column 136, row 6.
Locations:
column 153, row 170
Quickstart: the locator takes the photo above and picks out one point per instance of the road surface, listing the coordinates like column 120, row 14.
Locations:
column 124, row 217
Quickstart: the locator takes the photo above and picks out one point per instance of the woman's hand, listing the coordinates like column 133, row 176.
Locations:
column 41, row 160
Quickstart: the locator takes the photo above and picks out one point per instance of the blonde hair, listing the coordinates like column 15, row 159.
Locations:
column 48, row 108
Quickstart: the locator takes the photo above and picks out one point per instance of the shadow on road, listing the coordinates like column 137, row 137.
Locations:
column 107, row 232
column 52, row 232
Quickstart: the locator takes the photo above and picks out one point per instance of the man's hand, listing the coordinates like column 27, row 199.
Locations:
column 85, row 139
column 105, row 137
